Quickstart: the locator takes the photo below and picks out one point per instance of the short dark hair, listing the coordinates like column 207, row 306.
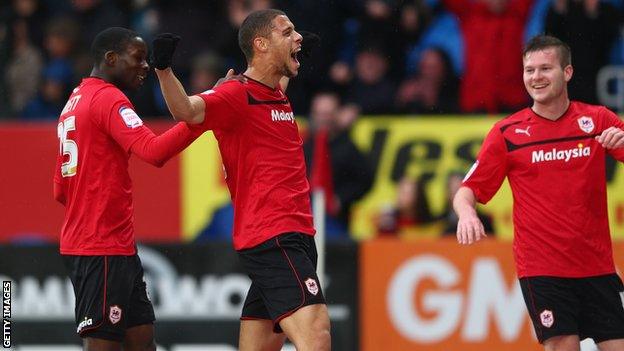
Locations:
column 258, row 23
column 111, row 39
column 542, row 42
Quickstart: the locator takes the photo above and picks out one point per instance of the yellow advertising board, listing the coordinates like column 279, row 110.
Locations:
column 397, row 146
column 435, row 146
column 203, row 186
column 420, row 147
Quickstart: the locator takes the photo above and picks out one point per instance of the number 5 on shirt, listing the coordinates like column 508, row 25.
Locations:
column 68, row 146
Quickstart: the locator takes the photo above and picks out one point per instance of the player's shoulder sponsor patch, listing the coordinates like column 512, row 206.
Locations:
column 130, row 117
column 208, row 92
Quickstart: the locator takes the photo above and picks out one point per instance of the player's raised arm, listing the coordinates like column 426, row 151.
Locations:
column 157, row 150
column 185, row 108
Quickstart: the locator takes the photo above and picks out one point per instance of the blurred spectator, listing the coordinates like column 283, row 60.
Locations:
column 365, row 45
column 433, row 89
column 376, row 21
column 372, row 26
column 206, row 69
column 52, row 95
column 207, row 26
column 379, row 27
column 352, row 175
column 410, row 216
column 145, row 19
column 371, row 89
column 4, row 58
column 444, row 33
column 347, row 115
column 341, row 75
column 450, row 219
column 227, row 44
column 95, row 15
column 492, row 32
column 326, row 19
column 589, row 27
column 24, row 66
column 203, row 25
column 413, row 18
column 21, row 57
column 34, row 14
column 61, row 37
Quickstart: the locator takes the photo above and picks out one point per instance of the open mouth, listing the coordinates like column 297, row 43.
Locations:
column 294, row 55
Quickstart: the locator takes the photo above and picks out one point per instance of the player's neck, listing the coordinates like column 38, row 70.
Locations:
column 264, row 75
column 97, row 73
column 552, row 110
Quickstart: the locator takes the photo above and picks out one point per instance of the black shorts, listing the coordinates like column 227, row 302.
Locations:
column 591, row 307
column 111, row 295
column 283, row 277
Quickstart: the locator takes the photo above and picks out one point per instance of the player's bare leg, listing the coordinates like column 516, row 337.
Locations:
column 94, row 344
column 258, row 335
column 308, row 328
column 611, row 345
column 563, row 343
column 140, row 338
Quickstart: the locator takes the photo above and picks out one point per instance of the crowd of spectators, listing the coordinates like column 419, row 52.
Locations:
column 386, row 56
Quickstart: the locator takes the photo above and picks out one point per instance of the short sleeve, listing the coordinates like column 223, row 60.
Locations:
column 612, row 120
column 222, row 104
column 489, row 171
column 115, row 114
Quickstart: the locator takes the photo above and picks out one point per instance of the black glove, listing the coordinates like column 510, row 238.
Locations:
column 163, row 47
column 309, row 43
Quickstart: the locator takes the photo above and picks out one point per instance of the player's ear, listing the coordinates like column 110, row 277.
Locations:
column 261, row 44
column 567, row 72
column 110, row 57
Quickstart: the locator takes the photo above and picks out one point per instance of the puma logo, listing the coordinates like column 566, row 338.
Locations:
column 523, row 131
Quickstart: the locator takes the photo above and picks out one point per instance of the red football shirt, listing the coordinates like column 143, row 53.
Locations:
column 263, row 159
column 556, row 170
column 98, row 130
